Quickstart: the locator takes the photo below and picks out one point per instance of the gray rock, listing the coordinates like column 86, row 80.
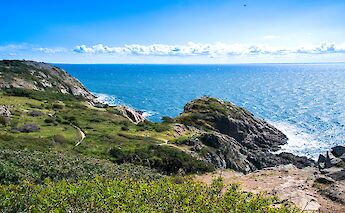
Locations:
column 35, row 113
column 336, row 192
column 5, row 116
column 4, row 111
column 235, row 139
column 28, row 128
column 338, row 151
column 328, row 160
column 133, row 115
column 42, row 76
column 324, row 179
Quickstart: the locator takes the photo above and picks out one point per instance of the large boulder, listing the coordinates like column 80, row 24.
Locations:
column 332, row 166
column 224, row 117
column 234, row 138
column 132, row 114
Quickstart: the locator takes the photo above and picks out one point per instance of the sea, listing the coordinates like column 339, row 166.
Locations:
column 304, row 101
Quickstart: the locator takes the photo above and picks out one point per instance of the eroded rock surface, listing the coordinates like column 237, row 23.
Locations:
column 332, row 166
column 234, row 138
column 132, row 114
column 40, row 76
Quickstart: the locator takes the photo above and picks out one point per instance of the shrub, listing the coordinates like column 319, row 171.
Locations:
column 59, row 139
column 167, row 119
column 124, row 128
column 48, row 120
column 58, row 106
column 159, row 127
column 35, row 113
column 127, row 195
column 17, row 166
column 28, row 128
column 41, row 95
column 166, row 159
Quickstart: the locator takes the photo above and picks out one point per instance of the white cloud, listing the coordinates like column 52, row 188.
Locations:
column 49, row 50
column 211, row 50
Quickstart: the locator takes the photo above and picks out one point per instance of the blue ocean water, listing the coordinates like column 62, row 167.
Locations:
column 305, row 101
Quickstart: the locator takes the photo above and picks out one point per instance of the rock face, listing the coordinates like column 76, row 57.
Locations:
column 40, row 76
column 5, row 115
column 133, row 115
column 332, row 166
column 234, row 138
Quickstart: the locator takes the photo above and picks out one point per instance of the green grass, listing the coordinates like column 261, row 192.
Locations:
column 105, row 129
column 118, row 195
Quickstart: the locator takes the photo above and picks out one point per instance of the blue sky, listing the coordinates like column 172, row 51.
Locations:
column 179, row 31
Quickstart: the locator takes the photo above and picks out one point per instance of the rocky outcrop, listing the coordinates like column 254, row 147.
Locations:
column 132, row 114
column 332, row 166
column 234, row 138
column 40, row 76
column 5, row 115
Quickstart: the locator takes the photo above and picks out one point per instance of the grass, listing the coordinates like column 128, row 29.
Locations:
column 105, row 130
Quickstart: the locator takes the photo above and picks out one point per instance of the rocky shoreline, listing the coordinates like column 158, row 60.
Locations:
column 212, row 131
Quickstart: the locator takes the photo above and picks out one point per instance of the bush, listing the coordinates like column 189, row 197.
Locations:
column 126, row 195
column 17, row 166
column 27, row 128
column 57, row 106
column 41, row 95
column 59, row 139
column 124, row 128
column 164, row 158
column 167, row 119
column 159, row 127
column 48, row 120
column 35, row 113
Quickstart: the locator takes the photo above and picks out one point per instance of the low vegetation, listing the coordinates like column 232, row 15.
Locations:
column 47, row 165
column 127, row 195
column 18, row 166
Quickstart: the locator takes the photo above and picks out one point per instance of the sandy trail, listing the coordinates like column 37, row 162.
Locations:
column 81, row 133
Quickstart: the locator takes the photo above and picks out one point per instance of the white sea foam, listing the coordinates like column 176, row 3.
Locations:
column 113, row 101
column 299, row 142
column 108, row 99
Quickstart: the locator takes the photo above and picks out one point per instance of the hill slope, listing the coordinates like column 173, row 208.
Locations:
column 40, row 76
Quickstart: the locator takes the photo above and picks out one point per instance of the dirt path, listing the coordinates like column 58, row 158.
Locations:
column 81, row 133
column 286, row 182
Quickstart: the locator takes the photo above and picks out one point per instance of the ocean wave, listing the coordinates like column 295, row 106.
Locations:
column 299, row 142
column 112, row 100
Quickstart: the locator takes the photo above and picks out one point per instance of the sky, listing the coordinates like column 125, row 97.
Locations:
column 178, row 31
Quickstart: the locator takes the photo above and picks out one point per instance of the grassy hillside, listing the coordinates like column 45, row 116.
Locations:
column 109, row 135
column 58, row 152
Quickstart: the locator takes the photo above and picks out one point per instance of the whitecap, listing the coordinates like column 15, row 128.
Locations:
column 112, row 100
column 299, row 142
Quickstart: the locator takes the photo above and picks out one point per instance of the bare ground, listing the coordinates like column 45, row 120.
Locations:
column 286, row 182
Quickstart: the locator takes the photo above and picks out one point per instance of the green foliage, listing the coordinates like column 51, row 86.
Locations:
column 60, row 139
column 167, row 119
column 41, row 95
column 17, row 166
column 127, row 195
column 164, row 158
column 149, row 126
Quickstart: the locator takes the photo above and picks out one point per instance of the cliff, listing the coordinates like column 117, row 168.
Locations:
column 231, row 137
column 40, row 76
